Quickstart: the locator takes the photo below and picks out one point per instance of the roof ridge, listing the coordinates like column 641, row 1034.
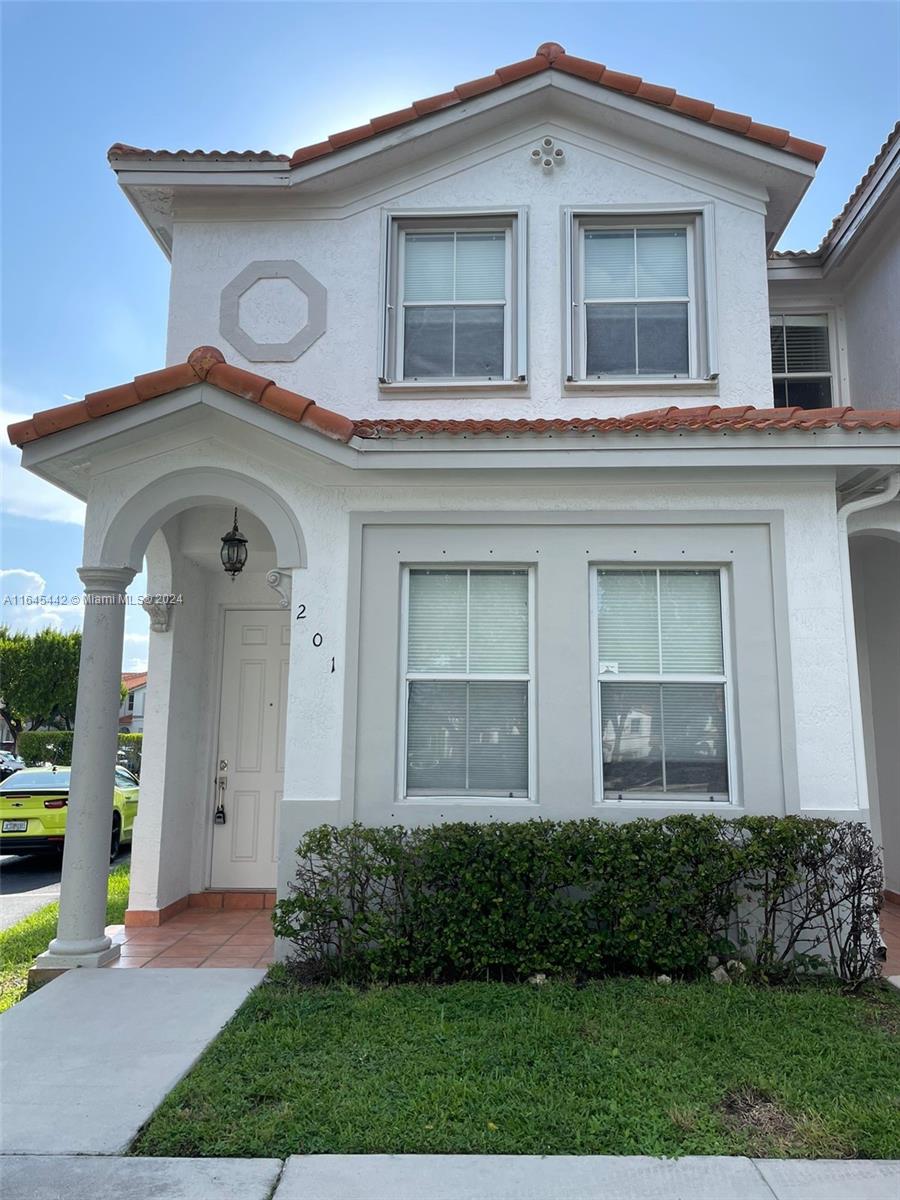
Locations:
column 548, row 56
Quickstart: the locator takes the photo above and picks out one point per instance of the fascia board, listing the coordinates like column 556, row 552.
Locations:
column 865, row 209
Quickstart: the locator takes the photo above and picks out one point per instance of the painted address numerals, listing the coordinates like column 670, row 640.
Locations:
column 317, row 639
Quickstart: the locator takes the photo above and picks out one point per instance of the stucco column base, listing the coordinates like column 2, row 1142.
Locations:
column 64, row 960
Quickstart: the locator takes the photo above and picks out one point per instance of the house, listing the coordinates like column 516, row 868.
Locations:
column 554, row 483
column 131, row 710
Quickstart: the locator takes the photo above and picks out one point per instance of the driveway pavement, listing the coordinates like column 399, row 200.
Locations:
column 27, row 884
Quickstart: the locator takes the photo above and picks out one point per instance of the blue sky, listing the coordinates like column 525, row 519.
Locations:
column 85, row 288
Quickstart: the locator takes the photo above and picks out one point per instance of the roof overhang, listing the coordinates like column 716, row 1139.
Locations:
column 157, row 183
column 205, row 413
column 872, row 211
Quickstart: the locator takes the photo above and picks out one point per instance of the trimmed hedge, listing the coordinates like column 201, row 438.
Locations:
column 587, row 898
column 45, row 745
column 55, row 745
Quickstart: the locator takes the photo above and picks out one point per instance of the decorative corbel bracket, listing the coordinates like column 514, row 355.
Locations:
column 280, row 582
column 159, row 613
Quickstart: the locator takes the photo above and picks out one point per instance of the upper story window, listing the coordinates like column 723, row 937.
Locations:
column 801, row 360
column 454, row 297
column 636, row 300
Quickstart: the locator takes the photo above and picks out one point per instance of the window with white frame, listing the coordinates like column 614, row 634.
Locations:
column 467, row 682
column 454, row 290
column 801, row 360
column 636, row 304
column 661, row 679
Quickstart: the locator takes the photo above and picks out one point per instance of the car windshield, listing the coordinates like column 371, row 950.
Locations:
column 37, row 781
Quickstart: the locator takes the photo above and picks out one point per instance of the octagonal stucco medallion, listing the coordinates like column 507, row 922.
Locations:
column 230, row 311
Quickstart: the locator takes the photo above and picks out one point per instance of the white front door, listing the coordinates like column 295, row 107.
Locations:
column 250, row 759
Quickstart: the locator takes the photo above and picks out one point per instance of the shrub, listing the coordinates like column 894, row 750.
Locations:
column 45, row 745
column 55, row 746
column 505, row 900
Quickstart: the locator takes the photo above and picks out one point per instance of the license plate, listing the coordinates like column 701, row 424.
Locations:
column 15, row 826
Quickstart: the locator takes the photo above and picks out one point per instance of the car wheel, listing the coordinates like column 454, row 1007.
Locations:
column 115, row 844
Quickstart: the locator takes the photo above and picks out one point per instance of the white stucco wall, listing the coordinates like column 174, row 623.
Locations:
column 815, row 723
column 339, row 242
column 872, row 304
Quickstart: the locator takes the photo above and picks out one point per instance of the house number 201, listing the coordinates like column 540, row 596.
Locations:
column 317, row 638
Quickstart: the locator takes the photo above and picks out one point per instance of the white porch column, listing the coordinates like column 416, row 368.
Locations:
column 80, row 940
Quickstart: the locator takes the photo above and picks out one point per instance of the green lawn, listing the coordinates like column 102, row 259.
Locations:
column 624, row 1066
column 22, row 943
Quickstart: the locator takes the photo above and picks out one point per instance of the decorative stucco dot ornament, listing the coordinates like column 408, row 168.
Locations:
column 548, row 154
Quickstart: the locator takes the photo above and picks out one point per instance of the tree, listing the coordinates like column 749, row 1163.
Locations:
column 38, row 678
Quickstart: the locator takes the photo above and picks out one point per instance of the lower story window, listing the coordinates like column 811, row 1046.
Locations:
column 467, row 682
column 661, row 684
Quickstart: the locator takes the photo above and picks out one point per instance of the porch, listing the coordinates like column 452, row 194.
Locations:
column 198, row 937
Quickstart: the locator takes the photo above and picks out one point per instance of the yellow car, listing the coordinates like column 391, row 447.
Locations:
column 33, row 810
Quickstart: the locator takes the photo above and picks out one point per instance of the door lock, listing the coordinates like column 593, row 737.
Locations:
column 221, row 783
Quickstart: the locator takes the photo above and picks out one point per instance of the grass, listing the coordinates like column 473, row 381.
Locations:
column 624, row 1066
column 23, row 942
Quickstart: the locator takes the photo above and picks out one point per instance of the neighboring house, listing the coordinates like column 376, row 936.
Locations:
column 131, row 710
column 490, row 382
column 7, row 737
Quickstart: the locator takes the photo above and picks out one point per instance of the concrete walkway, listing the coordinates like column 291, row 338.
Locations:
column 444, row 1177
column 86, row 1060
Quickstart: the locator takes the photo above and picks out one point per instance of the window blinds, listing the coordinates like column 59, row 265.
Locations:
column 799, row 344
column 467, row 735
column 663, row 734
column 622, row 264
column 468, row 622
column 454, row 267
column 660, row 621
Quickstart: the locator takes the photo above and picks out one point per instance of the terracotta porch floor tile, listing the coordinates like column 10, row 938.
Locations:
column 173, row 962
column 198, row 937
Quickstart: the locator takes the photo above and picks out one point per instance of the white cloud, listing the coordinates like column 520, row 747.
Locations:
column 26, row 608
column 24, row 494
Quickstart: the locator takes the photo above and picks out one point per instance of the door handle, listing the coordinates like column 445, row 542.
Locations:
column 219, row 817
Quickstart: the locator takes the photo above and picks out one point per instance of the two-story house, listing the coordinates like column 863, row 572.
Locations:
column 476, row 402
column 131, row 710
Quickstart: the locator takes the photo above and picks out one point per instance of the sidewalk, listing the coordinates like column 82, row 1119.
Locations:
column 86, row 1060
column 444, row 1177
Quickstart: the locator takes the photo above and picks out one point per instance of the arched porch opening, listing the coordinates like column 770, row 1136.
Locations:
column 875, row 577
column 215, row 707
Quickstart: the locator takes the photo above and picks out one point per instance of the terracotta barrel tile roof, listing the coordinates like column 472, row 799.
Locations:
column 549, row 56
column 710, row 418
column 552, row 56
column 890, row 143
column 204, row 363
column 207, row 363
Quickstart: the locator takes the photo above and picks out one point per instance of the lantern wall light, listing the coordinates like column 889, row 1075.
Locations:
column 234, row 550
